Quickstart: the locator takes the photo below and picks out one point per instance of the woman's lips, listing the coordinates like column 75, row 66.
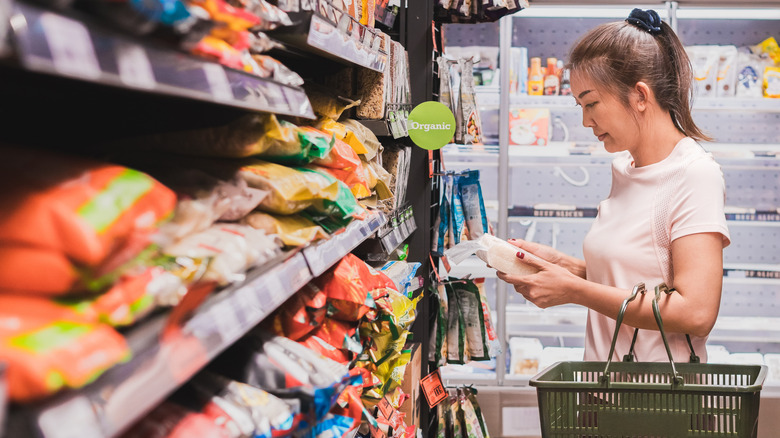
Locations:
column 602, row 137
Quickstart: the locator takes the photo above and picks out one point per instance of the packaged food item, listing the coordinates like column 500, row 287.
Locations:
column 171, row 420
column 456, row 329
column 57, row 216
column 402, row 273
column 288, row 370
column 727, row 72
column 473, row 204
column 472, row 125
column 438, row 343
column 300, row 314
column 772, row 82
column 334, row 339
column 259, row 42
column 271, row 17
column 49, row 347
column 341, row 156
column 457, row 218
column 471, row 424
column 325, row 104
column 750, row 70
column 705, row 61
column 494, row 346
column 367, row 12
column 442, row 224
column 355, row 180
column 232, row 249
column 348, row 286
column 497, row 253
column 267, row 413
column 363, row 137
column 470, row 308
column 236, row 18
column 294, row 230
column 271, row 68
column 311, row 144
column 525, row 355
column 471, row 395
column 444, row 423
column 373, row 88
column 342, row 209
column 769, row 47
column 291, row 190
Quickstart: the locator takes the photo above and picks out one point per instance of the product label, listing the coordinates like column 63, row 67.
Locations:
column 431, row 125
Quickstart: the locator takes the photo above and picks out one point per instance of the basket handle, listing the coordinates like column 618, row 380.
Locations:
column 640, row 288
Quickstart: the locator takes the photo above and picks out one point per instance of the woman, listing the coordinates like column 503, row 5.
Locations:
column 663, row 221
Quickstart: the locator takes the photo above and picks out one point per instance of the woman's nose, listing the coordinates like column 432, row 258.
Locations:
column 587, row 121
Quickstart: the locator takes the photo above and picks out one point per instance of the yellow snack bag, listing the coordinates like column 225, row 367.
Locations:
column 329, row 125
column 772, row 82
column 294, row 230
column 770, row 47
column 291, row 190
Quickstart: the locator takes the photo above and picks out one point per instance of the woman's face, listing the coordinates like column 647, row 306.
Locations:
column 611, row 122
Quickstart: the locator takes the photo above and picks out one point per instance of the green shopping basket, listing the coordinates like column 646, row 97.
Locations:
column 648, row 399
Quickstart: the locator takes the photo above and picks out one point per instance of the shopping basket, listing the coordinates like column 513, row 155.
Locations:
column 648, row 399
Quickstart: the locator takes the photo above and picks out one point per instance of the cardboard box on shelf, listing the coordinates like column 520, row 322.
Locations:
column 411, row 386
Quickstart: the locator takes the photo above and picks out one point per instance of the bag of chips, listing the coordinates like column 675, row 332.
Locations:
column 470, row 309
column 334, row 339
column 171, row 420
column 291, row 190
column 300, row 314
column 294, row 230
column 348, row 286
column 311, row 144
column 49, row 347
column 342, row 209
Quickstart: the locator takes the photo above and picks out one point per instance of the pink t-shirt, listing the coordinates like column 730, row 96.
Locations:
column 629, row 242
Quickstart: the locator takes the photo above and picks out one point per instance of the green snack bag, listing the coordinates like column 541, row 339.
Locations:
column 470, row 307
column 456, row 335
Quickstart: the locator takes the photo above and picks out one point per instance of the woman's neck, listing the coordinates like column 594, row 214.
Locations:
column 658, row 139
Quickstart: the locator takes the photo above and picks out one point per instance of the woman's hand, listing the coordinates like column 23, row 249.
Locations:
column 573, row 265
column 553, row 285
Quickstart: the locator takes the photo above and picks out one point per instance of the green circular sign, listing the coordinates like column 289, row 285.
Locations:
column 431, row 125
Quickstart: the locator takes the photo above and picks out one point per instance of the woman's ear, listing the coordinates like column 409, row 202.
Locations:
column 643, row 95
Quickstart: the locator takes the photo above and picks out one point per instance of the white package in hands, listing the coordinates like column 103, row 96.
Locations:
column 497, row 253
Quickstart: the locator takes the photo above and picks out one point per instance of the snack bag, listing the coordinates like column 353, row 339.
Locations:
column 473, row 204
column 232, row 248
column 300, row 314
column 310, row 144
column 471, row 394
column 770, row 47
column 291, row 190
column 294, row 230
column 49, row 347
column 60, row 204
column 470, row 306
column 334, row 339
column 171, row 420
column 772, row 82
column 348, row 286
column 456, row 329
column 343, row 208
column 499, row 254
column 471, row 423
column 355, row 180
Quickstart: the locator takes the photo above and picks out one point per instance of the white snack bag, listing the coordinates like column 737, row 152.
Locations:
column 499, row 254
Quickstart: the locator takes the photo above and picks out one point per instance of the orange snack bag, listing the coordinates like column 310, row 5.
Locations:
column 349, row 285
column 84, row 209
column 49, row 347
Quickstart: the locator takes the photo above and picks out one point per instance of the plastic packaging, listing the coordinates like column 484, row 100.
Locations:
column 772, row 82
column 291, row 190
column 497, row 253
column 300, row 314
column 750, row 70
column 348, row 286
column 526, row 353
column 294, row 230
column 473, row 204
column 456, row 329
column 727, row 72
column 470, row 308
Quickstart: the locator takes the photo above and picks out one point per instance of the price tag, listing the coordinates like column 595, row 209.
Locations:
column 433, row 389
column 218, row 81
column 276, row 293
column 385, row 408
column 74, row 418
column 71, row 46
column 134, row 66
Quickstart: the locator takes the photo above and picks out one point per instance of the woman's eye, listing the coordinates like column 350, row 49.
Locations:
column 590, row 105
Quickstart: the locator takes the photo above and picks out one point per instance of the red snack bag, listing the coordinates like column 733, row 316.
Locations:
column 348, row 286
column 169, row 420
column 335, row 339
column 300, row 314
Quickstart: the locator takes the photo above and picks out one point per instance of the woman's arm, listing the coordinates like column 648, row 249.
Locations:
column 698, row 278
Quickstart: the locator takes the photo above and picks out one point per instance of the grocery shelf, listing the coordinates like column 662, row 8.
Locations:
column 165, row 357
column 380, row 128
column 490, row 97
column 55, row 44
column 399, row 228
column 334, row 35
column 325, row 254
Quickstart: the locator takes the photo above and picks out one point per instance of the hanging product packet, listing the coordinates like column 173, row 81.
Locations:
column 494, row 346
column 472, row 426
column 456, row 329
column 473, row 204
column 294, row 230
column 442, row 224
column 457, row 218
column 472, row 125
column 470, row 307
column 471, row 394
column 440, row 325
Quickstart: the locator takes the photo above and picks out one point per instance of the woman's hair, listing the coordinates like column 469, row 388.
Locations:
column 615, row 56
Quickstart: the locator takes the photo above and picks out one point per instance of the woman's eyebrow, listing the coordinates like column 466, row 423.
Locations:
column 584, row 93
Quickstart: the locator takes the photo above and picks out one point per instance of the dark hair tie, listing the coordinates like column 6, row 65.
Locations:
column 647, row 20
